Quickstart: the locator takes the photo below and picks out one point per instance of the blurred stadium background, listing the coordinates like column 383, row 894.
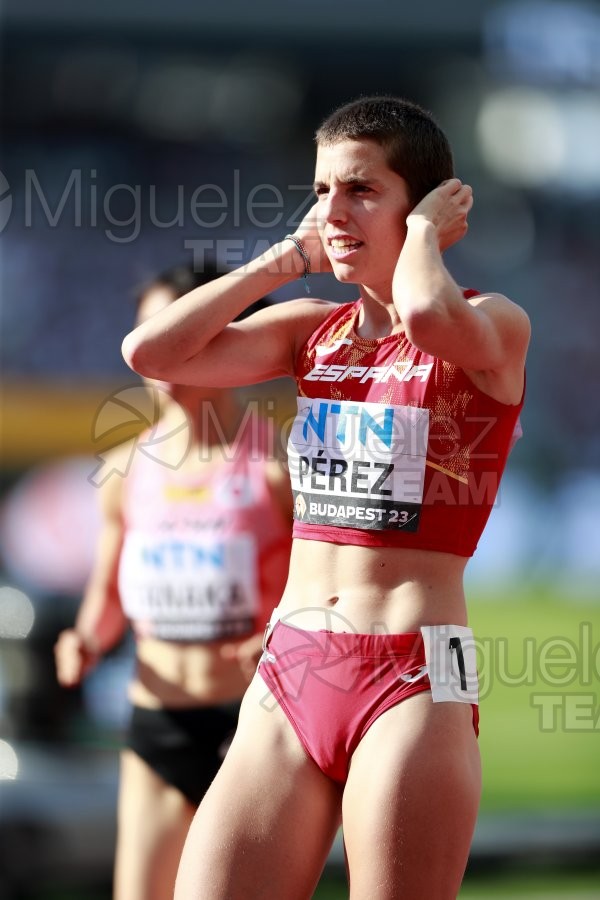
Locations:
column 135, row 135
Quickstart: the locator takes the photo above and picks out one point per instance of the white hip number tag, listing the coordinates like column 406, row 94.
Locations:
column 451, row 663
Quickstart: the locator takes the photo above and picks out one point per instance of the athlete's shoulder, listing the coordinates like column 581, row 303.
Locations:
column 493, row 300
column 504, row 311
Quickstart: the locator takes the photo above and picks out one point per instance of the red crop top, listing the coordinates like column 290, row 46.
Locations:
column 392, row 447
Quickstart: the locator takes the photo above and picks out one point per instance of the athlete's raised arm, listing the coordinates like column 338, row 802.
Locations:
column 487, row 335
column 195, row 341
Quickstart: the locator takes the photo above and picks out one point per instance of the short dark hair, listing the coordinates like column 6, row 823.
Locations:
column 183, row 278
column 416, row 147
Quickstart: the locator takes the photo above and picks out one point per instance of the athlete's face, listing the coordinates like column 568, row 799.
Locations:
column 362, row 210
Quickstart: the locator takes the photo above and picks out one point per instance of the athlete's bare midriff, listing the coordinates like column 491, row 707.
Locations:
column 367, row 589
column 170, row 674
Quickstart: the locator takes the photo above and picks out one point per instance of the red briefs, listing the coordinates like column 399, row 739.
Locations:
column 332, row 686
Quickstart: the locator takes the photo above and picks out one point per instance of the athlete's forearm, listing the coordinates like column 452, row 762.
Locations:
column 425, row 294
column 185, row 328
column 101, row 623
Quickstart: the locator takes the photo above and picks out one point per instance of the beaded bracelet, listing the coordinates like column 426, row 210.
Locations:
column 305, row 257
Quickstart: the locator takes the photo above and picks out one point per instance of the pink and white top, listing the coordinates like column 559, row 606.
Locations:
column 205, row 554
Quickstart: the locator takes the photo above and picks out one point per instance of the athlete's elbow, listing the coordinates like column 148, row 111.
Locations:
column 419, row 324
column 140, row 356
column 130, row 350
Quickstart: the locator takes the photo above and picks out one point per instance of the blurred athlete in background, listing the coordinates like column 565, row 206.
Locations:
column 193, row 553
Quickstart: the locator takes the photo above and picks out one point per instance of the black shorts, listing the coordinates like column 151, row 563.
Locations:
column 184, row 746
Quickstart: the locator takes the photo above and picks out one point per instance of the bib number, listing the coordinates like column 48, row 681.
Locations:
column 357, row 464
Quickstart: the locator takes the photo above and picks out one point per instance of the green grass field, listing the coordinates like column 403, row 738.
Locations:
column 539, row 663
column 512, row 885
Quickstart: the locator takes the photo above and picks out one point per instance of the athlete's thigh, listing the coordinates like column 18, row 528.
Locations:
column 153, row 820
column 267, row 822
column 411, row 800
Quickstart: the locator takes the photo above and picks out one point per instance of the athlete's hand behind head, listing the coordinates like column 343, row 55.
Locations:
column 446, row 207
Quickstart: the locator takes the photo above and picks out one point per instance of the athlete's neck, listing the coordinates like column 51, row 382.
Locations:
column 377, row 318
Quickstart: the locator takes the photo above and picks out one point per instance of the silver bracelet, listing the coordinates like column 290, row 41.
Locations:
column 305, row 257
